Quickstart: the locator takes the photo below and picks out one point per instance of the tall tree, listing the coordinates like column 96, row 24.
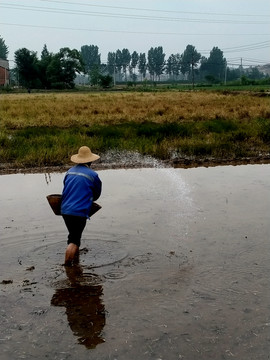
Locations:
column 111, row 62
column 233, row 74
column 134, row 63
column 215, row 65
column 142, row 65
column 3, row 49
column 126, row 57
column 173, row 65
column 190, row 60
column 151, row 63
column 97, row 73
column 156, row 61
column 118, row 63
column 94, row 75
column 27, row 67
column 254, row 73
column 90, row 57
column 63, row 68
column 43, row 64
column 169, row 65
column 45, row 54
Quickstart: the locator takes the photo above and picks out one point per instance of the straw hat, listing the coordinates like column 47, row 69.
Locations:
column 84, row 156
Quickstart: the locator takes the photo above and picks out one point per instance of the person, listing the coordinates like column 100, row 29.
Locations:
column 82, row 186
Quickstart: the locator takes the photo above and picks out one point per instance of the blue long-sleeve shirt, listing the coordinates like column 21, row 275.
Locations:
column 82, row 186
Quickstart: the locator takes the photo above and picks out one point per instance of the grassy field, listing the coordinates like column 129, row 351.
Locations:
column 44, row 129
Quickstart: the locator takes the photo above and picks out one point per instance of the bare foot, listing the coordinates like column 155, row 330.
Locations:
column 71, row 256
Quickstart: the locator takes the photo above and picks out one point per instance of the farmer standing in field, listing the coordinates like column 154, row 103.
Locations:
column 82, row 186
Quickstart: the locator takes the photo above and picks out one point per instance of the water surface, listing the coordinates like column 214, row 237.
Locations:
column 174, row 266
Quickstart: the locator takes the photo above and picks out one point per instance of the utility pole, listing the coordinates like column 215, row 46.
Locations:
column 241, row 71
column 241, row 67
column 225, row 75
column 192, row 70
column 114, row 69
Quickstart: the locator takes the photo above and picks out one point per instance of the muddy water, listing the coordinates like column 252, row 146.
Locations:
column 174, row 266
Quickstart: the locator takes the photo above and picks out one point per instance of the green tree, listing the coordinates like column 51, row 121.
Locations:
column 190, row 60
column 61, row 71
column 96, row 72
column 55, row 74
column 156, row 62
column 90, row 57
column 202, row 72
column 169, row 65
column 142, row 65
column 43, row 64
column 233, row 74
column 173, row 65
column 126, row 57
column 118, row 63
column 94, row 75
column 111, row 62
column 27, row 68
column 211, row 79
column 99, row 76
column 105, row 81
column 253, row 73
column 215, row 65
column 3, row 49
column 133, row 64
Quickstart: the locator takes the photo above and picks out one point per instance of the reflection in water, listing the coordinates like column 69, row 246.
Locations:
column 48, row 178
column 84, row 308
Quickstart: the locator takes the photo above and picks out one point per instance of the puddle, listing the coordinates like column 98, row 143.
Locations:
column 174, row 266
column 83, row 305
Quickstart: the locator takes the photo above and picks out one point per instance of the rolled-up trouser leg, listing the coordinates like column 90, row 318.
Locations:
column 75, row 226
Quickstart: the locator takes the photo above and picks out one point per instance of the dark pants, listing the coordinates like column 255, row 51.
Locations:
column 75, row 226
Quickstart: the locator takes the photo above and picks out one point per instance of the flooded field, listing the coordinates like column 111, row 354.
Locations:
column 174, row 266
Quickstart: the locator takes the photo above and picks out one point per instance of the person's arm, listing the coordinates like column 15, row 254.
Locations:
column 97, row 187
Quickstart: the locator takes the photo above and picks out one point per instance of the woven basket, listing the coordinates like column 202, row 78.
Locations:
column 55, row 203
column 94, row 208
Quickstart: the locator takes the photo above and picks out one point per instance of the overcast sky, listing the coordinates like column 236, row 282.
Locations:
column 240, row 28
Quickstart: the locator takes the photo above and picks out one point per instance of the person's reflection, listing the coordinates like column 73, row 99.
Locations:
column 84, row 308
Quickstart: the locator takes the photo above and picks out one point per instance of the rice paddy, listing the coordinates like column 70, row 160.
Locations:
column 44, row 129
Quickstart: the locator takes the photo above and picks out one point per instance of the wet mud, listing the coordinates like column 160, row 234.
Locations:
column 174, row 266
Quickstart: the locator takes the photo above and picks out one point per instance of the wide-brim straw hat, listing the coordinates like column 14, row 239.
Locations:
column 84, row 156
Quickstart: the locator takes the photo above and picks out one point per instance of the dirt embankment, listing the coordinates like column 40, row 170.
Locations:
column 140, row 163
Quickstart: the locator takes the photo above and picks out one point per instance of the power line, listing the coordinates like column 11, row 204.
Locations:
column 130, row 32
column 127, row 16
column 262, row 43
column 242, row 65
column 254, row 61
column 155, row 10
column 254, row 46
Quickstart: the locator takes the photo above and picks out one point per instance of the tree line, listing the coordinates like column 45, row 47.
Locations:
column 59, row 70
column 191, row 66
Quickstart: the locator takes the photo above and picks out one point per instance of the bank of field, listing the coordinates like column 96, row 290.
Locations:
column 44, row 129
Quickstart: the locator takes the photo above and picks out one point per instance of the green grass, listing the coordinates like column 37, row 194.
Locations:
column 45, row 129
column 220, row 138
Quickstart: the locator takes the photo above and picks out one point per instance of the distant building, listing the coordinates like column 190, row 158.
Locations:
column 4, row 72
